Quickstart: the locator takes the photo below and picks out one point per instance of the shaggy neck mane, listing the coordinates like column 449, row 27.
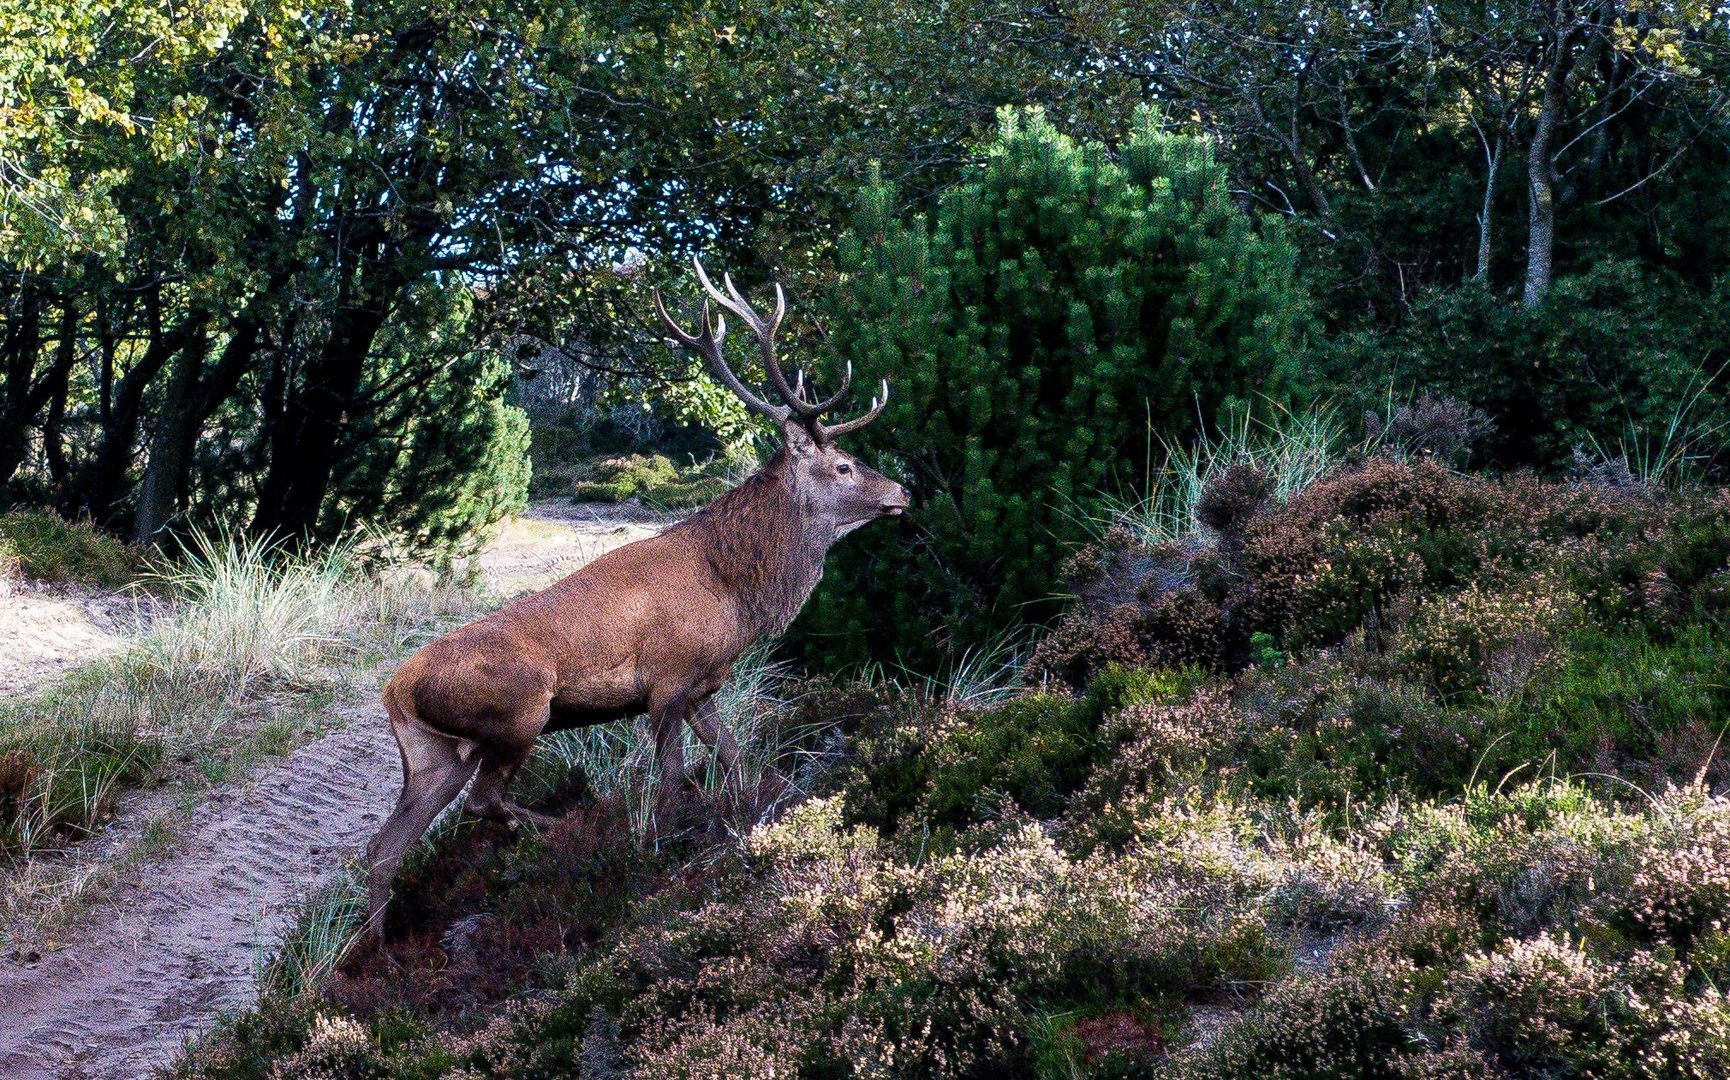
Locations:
column 755, row 540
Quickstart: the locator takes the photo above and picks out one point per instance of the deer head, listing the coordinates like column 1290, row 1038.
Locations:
column 832, row 485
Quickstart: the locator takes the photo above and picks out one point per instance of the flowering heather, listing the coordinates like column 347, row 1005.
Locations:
column 1412, row 774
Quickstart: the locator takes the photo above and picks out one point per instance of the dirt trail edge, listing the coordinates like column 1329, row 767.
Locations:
column 154, row 966
column 179, row 950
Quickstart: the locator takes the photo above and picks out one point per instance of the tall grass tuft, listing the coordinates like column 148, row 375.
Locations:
column 1294, row 449
column 1679, row 453
column 250, row 628
column 309, row 951
column 981, row 677
column 39, row 545
column 248, row 612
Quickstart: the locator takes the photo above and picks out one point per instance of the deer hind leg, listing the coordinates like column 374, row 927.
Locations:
column 490, row 796
column 705, row 720
column 435, row 767
column 667, row 722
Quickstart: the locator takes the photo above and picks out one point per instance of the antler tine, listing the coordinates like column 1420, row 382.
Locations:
column 677, row 332
column 708, row 344
column 820, row 407
column 735, row 302
column 877, row 403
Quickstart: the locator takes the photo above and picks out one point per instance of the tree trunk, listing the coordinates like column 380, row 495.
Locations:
column 22, row 339
column 1541, row 202
column 26, row 396
column 1306, row 176
column 53, row 449
column 106, row 479
column 303, row 454
column 1485, row 221
column 1559, row 83
column 159, row 492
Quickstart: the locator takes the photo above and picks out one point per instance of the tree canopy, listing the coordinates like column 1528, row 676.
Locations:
column 276, row 263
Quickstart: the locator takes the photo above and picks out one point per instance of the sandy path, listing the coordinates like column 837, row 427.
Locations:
column 43, row 632
column 180, row 946
column 552, row 539
column 154, row 966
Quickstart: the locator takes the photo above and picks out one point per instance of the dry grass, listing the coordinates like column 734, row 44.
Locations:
column 1294, row 449
column 255, row 636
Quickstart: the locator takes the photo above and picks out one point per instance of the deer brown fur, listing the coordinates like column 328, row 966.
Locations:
column 653, row 627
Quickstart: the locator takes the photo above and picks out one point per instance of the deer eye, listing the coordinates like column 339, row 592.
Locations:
column 843, row 468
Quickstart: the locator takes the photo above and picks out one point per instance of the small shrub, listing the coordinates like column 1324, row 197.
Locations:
column 1631, row 704
column 951, row 768
column 654, row 480
column 1431, row 426
column 1477, row 640
column 1231, row 499
column 1055, row 280
column 45, row 548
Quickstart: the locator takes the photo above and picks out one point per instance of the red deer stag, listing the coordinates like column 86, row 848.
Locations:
column 653, row 626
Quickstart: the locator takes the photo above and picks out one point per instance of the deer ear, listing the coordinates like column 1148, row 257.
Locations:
column 799, row 441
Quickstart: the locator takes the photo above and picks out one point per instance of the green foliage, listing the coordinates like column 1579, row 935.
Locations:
column 1632, row 702
column 959, row 769
column 654, row 480
column 1055, row 283
column 699, row 401
column 43, row 547
column 448, row 458
column 945, row 768
column 1612, row 362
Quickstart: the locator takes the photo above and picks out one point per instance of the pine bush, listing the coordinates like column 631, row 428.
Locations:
column 1063, row 311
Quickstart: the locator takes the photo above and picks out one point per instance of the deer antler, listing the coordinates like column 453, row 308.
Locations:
column 707, row 342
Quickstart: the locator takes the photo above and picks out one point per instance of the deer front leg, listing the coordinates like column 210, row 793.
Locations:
column 705, row 720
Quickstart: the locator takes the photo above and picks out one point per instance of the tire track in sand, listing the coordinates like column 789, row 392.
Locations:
column 158, row 961
column 177, row 947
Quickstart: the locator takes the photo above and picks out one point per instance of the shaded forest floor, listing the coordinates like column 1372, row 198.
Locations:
column 189, row 909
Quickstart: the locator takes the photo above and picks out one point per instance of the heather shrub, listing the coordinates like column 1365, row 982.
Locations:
column 1329, row 733
column 1431, row 426
column 1508, row 602
column 1539, row 942
column 1229, row 500
column 937, row 765
column 938, row 967
column 1478, row 640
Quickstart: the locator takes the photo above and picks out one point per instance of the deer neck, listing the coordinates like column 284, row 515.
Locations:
column 763, row 549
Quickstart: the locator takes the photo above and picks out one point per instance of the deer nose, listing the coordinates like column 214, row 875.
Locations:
column 897, row 502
